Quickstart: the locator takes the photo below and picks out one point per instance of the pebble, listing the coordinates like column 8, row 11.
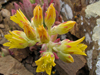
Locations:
column 2, row 26
column 5, row 13
column 1, row 18
column 0, row 6
column 3, row 1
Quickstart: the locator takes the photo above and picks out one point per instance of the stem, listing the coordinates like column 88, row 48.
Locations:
column 49, row 31
column 50, row 46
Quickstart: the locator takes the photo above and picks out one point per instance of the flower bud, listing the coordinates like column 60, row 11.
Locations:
column 73, row 47
column 38, row 17
column 63, row 27
column 29, row 31
column 50, row 16
column 43, row 34
column 18, row 39
column 65, row 57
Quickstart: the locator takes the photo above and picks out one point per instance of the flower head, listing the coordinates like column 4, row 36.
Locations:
column 29, row 31
column 43, row 34
column 17, row 39
column 45, row 63
column 72, row 47
column 50, row 16
column 38, row 17
column 19, row 17
column 63, row 27
column 35, row 32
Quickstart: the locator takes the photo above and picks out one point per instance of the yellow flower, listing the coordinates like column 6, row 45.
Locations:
column 38, row 17
column 45, row 63
column 29, row 31
column 18, row 39
column 63, row 27
column 50, row 16
column 73, row 47
column 19, row 17
column 43, row 34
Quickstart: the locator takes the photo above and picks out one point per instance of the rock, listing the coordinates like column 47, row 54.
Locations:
column 34, row 64
column 10, row 66
column 4, row 40
column 70, row 7
column 2, row 26
column 70, row 68
column 9, row 6
column 30, row 68
column 88, row 22
column 92, row 13
column 5, row 51
column 1, row 17
column 88, row 25
column 1, row 35
column 92, row 1
column 20, row 54
column 7, row 27
column 83, row 71
column 3, row 1
column 5, row 13
column 0, row 6
column 29, row 60
column 66, row 10
column 10, row 25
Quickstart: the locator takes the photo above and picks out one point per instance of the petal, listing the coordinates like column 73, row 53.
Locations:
column 76, row 42
column 73, row 50
column 48, row 70
column 82, row 47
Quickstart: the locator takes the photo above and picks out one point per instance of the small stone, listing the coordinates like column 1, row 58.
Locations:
column 30, row 68
column 10, row 66
column 29, row 60
column 5, row 13
column 1, row 17
column 3, row 40
column 10, row 6
column 3, row 1
column 34, row 64
column 5, row 51
column 20, row 54
column 0, row 6
column 2, row 26
column 1, row 35
column 70, row 68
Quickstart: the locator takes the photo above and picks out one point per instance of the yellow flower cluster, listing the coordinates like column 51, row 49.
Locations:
column 35, row 32
column 45, row 63
column 18, row 39
column 68, row 47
